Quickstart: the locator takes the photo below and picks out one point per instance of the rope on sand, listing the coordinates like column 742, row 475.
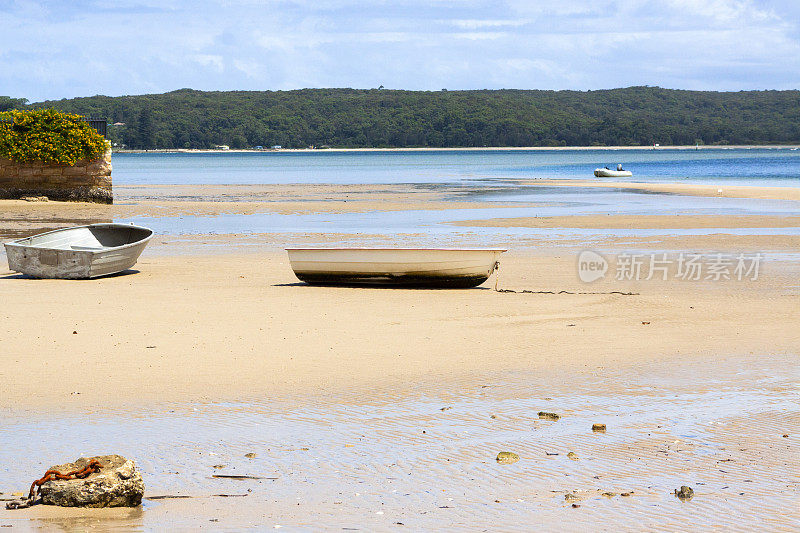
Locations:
column 497, row 281
column 566, row 292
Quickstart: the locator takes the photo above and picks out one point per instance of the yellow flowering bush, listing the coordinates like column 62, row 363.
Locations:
column 48, row 136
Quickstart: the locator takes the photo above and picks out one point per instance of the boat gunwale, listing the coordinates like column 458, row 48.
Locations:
column 18, row 244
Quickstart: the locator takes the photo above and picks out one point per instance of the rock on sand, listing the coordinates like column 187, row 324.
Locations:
column 118, row 484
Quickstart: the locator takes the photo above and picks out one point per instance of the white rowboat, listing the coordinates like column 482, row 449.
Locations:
column 427, row 267
column 608, row 173
column 81, row 252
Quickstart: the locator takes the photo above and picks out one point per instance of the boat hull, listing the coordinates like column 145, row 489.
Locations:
column 606, row 173
column 78, row 253
column 410, row 267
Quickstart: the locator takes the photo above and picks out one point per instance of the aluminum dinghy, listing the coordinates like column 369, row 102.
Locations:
column 81, row 252
column 424, row 267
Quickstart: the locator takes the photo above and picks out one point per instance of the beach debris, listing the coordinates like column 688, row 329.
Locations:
column 573, row 456
column 548, row 453
column 598, row 427
column 575, row 505
column 230, row 495
column 609, row 494
column 233, row 476
column 570, row 497
column 626, row 494
column 100, row 481
column 493, row 417
column 785, row 436
column 251, row 455
column 35, row 199
column 217, row 467
column 167, row 497
column 74, row 332
column 645, row 323
column 507, row 458
column 548, row 416
column 445, row 408
column 684, row 493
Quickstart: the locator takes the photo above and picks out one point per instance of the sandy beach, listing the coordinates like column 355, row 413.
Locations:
column 385, row 408
column 688, row 189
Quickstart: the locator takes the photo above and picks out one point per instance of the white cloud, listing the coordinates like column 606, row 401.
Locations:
column 55, row 50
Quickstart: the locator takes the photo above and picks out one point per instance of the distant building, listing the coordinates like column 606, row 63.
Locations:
column 276, row 147
column 222, row 147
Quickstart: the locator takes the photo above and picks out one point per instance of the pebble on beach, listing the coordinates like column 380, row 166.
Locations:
column 684, row 493
column 250, row 455
column 548, row 416
column 573, row 456
column 598, row 427
column 507, row 458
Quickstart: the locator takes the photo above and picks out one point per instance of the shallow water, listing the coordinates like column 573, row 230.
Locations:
column 761, row 166
column 434, row 225
column 426, row 456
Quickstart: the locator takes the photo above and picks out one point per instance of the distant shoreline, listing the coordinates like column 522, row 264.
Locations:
column 463, row 149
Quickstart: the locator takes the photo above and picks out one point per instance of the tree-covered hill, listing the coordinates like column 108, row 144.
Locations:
column 388, row 118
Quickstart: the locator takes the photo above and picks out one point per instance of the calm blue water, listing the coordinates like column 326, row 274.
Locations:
column 773, row 167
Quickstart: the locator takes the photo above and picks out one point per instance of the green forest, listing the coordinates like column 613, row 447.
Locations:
column 358, row 118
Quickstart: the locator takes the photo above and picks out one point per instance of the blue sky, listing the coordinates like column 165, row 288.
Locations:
column 51, row 50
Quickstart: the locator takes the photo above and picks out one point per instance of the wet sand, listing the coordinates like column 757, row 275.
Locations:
column 688, row 189
column 423, row 454
column 212, row 349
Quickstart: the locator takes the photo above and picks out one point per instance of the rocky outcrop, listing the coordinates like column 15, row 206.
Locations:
column 118, row 484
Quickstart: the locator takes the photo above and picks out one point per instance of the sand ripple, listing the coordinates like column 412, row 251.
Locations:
column 428, row 459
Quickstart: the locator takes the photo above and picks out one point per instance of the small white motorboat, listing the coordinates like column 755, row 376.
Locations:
column 81, row 252
column 423, row 267
column 606, row 172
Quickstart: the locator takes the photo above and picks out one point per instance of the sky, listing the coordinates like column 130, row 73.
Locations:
column 53, row 50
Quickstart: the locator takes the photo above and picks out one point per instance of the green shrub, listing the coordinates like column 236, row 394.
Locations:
column 48, row 136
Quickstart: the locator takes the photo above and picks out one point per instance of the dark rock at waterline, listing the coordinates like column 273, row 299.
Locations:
column 684, row 493
column 118, row 484
column 548, row 416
